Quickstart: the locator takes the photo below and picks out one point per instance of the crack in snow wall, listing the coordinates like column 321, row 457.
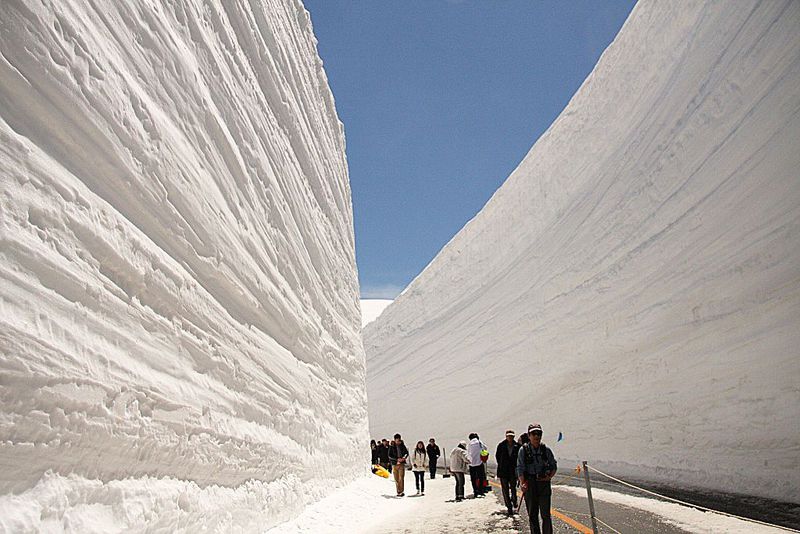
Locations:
column 178, row 289
column 635, row 283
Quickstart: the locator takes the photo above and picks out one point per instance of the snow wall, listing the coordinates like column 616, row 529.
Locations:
column 179, row 327
column 635, row 283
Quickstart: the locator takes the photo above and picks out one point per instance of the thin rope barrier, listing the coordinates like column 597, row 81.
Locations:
column 563, row 478
column 691, row 505
column 607, row 525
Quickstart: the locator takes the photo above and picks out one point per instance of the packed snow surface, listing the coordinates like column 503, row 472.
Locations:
column 635, row 282
column 179, row 320
column 369, row 506
column 371, row 309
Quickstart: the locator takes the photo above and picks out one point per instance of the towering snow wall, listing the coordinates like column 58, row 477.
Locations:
column 179, row 323
column 635, row 283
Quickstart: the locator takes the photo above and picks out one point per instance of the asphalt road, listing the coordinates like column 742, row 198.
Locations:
column 571, row 516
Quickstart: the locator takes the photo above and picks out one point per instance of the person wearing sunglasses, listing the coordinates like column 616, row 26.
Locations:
column 536, row 466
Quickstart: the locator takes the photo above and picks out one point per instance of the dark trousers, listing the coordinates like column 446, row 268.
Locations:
column 509, row 487
column 419, row 480
column 460, row 480
column 537, row 500
column 432, row 465
column 477, row 475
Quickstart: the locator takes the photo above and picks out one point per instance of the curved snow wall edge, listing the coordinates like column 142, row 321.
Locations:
column 635, row 283
column 178, row 285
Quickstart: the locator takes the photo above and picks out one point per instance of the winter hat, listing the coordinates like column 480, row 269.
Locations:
column 462, row 444
column 510, row 433
column 535, row 427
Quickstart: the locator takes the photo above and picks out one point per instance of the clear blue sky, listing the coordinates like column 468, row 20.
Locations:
column 441, row 100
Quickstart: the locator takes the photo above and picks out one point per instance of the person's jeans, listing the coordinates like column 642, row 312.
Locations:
column 537, row 499
column 477, row 475
column 432, row 466
column 419, row 480
column 509, row 487
column 399, row 472
column 460, row 480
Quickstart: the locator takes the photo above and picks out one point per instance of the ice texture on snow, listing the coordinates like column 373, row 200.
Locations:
column 635, row 282
column 178, row 291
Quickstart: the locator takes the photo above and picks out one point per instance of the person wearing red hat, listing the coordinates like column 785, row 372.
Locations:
column 536, row 466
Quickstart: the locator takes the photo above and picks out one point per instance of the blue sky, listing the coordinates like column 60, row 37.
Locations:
column 441, row 100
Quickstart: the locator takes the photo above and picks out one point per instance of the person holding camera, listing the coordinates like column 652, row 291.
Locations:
column 536, row 466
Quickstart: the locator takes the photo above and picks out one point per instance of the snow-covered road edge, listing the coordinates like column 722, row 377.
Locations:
column 690, row 519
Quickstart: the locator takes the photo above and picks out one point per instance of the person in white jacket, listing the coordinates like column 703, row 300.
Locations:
column 459, row 465
column 419, row 464
column 477, row 471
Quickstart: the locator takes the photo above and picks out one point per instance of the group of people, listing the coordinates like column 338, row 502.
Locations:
column 525, row 462
column 394, row 457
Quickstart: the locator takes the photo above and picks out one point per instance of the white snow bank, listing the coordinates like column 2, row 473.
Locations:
column 635, row 283
column 371, row 309
column 368, row 506
column 178, row 290
column 689, row 519
column 76, row 504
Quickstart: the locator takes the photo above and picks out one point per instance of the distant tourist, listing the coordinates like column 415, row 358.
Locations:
column 506, row 457
column 459, row 465
column 419, row 463
column 477, row 469
column 398, row 456
column 523, row 439
column 374, row 447
column 536, row 466
column 433, row 455
column 383, row 455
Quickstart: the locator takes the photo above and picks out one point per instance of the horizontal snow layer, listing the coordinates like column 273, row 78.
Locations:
column 178, row 292
column 635, row 283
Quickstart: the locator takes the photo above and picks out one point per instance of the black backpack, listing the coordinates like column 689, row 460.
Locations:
column 528, row 451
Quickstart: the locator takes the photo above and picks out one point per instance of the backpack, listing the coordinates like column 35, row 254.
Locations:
column 528, row 451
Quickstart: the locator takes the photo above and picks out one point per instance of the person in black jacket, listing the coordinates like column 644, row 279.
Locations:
column 433, row 456
column 398, row 455
column 383, row 455
column 374, row 448
column 506, row 457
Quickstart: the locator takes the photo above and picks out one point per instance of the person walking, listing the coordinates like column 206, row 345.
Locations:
column 459, row 465
column 383, row 455
column 398, row 456
column 419, row 462
column 536, row 466
column 433, row 455
column 506, row 457
column 477, row 469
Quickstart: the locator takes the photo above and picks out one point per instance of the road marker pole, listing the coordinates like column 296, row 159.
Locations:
column 589, row 494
